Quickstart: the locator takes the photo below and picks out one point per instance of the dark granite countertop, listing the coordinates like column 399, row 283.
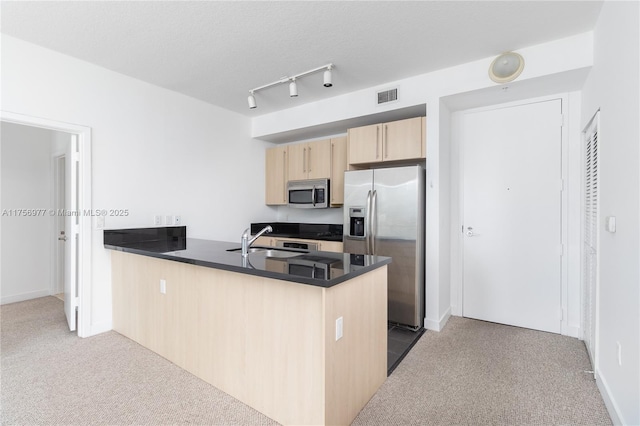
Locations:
column 319, row 268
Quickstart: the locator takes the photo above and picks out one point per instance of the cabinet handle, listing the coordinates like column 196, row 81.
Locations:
column 304, row 160
column 377, row 139
column 309, row 162
column 386, row 141
column 284, row 173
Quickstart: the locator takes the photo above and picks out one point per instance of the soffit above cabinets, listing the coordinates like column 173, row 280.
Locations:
column 340, row 127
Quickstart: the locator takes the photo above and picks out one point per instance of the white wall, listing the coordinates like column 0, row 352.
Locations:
column 613, row 88
column 154, row 151
column 551, row 68
column 26, row 240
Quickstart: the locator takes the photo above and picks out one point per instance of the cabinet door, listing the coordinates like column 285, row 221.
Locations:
column 336, row 246
column 365, row 144
column 402, row 139
column 276, row 176
column 276, row 265
column 338, row 167
column 264, row 241
column 319, row 159
column 298, row 158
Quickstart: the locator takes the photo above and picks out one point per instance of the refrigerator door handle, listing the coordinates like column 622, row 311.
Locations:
column 368, row 227
column 374, row 228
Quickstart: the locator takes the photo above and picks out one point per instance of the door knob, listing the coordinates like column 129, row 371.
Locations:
column 469, row 232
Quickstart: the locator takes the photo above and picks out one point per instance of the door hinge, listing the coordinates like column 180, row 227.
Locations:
column 561, row 250
column 561, row 120
column 75, row 156
column 561, row 185
column 560, row 313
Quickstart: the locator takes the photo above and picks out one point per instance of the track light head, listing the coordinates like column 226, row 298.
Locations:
column 327, row 77
column 252, row 100
column 293, row 88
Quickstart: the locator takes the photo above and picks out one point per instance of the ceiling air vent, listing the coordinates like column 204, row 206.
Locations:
column 387, row 96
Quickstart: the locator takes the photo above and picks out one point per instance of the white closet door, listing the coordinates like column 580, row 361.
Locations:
column 512, row 215
column 590, row 249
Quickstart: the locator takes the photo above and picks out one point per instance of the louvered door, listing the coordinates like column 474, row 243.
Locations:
column 590, row 250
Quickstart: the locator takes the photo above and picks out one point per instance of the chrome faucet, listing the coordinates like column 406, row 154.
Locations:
column 246, row 242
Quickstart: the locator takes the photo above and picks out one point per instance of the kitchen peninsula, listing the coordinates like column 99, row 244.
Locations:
column 300, row 347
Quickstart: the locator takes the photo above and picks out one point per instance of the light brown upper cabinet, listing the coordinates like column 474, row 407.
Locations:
column 393, row 141
column 276, row 176
column 310, row 160
column 338, row 167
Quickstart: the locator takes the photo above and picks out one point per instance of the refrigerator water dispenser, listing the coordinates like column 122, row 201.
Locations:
column 356, row 222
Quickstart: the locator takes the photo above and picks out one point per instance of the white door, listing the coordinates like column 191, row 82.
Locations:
column 71, row 232
column 59, row 225
column 512, row 215
column 591, row 195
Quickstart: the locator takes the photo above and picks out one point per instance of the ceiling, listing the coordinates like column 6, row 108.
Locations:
column 217, row 51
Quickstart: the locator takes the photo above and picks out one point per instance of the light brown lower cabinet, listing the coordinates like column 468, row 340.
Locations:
column 269, row 343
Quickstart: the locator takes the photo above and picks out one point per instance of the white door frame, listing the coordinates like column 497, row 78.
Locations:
column 84, row 204
column 457, row 237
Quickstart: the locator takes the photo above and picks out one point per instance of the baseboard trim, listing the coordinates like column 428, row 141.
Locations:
column 24, row 296
column 609, row 402
column 99, row 328
column 573, row 331
column 438, row 325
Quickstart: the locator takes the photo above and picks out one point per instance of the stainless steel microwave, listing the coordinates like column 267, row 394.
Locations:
column 308, row 194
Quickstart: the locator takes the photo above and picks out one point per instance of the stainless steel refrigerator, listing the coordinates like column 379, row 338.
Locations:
column 384, row 215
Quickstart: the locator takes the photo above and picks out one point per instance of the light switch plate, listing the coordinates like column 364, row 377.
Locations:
column 339, row 323
column 610, row 225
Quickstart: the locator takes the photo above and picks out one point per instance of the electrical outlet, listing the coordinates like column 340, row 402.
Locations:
column 99, row 222
column 157, row 220
column 163, row 286
column 177, row 220
column 168, row 220
column 339, row 324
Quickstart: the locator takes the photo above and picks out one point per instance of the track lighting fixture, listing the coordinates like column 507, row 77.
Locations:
column 252, row 100
column 293, row 86
column 327, row 77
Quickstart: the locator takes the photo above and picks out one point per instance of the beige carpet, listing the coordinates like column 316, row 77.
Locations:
column 471, row 373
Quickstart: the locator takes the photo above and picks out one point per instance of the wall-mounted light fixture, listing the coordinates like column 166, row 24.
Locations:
column 293, row 87
column 506, row 67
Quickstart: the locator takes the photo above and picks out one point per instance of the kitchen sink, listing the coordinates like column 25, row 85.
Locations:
column 270, row 252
